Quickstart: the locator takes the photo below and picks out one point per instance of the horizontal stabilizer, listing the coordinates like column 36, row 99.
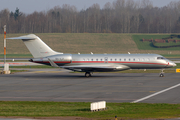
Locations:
column 22, row 38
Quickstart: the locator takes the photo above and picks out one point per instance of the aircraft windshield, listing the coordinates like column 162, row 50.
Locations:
column 161, row 58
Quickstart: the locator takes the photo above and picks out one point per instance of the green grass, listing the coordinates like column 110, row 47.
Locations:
column 38, row 66
column 17, row 71
column 17, row 56
column 167, row 44
column 178, row 65
column 82, row 109
column 76, row 42
column 171, row 55
column 148, row 45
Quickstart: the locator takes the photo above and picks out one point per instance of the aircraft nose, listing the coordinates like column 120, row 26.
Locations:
column 172, row 64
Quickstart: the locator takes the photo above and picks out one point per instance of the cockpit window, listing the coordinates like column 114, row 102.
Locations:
column 160, row 58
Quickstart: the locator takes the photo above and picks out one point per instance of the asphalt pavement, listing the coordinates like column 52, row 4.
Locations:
column 74, row 87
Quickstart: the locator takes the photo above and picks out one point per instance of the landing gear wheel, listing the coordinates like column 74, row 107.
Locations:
column 161, row 74
column 87, row 74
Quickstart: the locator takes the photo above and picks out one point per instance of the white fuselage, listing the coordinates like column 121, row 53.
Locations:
column 129, row 61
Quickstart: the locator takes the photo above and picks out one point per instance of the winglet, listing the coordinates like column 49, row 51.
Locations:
column 52, row 63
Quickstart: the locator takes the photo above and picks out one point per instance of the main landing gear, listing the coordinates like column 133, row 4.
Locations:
column 87, row 74
column 161, row 74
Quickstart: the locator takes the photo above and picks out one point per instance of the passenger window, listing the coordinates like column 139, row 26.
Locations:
column 96, row 59
column 129, row 59
column 91, row 59
column 134, row 59
column 101, row 59
column 115, row 59
column 124, row 59
column 111, row 59
column 119, row 59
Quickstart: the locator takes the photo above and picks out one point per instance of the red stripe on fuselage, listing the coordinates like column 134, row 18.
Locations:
column 138, row 63
column 63, row 62
column 87, row 61
column 117, row 62
column 91, row 62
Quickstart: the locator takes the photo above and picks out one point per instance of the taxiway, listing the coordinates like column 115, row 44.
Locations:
column 74, row 87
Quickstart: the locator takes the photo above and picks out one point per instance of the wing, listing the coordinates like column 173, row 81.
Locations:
column 96, row 68
column 92, row 67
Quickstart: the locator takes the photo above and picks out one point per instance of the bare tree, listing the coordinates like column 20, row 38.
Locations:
column 120, row 16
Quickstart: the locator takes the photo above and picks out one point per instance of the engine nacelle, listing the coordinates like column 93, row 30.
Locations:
column 60, row 59
column 66, row 58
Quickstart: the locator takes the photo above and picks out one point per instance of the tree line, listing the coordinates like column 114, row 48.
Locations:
column 120, row 16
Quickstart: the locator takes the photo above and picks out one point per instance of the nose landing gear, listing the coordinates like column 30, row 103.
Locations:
column 161, row 74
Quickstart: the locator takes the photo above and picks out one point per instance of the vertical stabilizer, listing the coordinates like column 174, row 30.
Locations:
column 36, row 46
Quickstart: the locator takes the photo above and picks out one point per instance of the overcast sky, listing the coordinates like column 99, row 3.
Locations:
column 29, row 6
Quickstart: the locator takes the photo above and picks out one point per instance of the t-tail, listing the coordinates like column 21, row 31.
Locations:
column 36, row 46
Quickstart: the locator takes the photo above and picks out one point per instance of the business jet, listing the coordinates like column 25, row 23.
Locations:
column 90, row 63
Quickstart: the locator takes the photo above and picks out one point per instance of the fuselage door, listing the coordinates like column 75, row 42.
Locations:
column 106, row 60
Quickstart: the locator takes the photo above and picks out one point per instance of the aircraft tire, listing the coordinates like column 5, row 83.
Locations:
column 87, row 74
column 161, row 75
